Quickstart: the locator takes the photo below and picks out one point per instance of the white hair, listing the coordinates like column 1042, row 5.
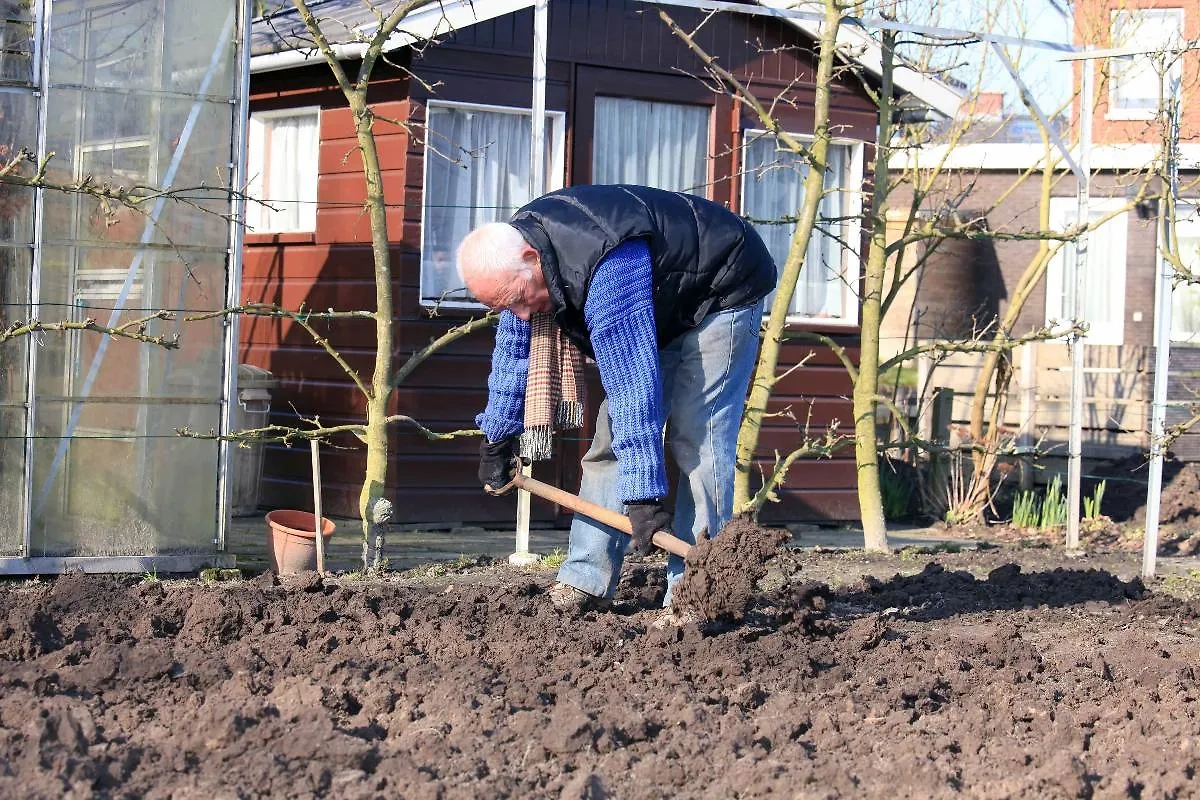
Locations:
column 493, row 251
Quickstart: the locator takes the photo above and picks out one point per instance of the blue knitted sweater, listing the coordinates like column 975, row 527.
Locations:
column 619, row 313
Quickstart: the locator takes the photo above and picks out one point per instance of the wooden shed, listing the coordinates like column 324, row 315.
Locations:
column 623, row 105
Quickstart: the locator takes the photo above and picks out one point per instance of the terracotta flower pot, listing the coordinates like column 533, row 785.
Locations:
column 292, row 541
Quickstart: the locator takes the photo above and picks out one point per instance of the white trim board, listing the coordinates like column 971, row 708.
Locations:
column 432, row 21
column 1013, row 156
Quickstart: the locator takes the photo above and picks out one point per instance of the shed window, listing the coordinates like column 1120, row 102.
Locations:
column 1185, row 303
column 664, row 145
column 1102, row 305
column 282, row 165
column 477, row 162
column 1136, row 80
column 772, row 194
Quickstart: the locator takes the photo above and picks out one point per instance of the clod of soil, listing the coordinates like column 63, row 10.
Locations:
column 722, row 572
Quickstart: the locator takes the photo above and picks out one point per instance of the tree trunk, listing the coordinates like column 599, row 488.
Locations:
column 866, row 387
column 376, row 434
column 768, row 360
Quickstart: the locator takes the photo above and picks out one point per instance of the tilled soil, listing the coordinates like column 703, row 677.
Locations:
column 1049, row 683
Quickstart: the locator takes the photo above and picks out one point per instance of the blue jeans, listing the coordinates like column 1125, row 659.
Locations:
column 704, row 374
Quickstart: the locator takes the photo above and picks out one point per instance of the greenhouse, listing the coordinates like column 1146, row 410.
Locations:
column 127, row 115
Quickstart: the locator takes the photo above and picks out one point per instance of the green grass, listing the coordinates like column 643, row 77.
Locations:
column 555, row 559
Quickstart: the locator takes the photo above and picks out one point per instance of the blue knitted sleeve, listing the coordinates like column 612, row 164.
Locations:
column 505, row 412
column 619, row 312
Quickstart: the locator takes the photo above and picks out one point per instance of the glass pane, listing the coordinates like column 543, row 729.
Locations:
column 477, row 171
column 161, row 499
column 664, row 145
column 140, row 152
column 772, row 196
column 200, row 50
column 114, row 44
column 16, row 42
column 18, row 126
column 15, row 267
column 12, row 464
column 91, row 283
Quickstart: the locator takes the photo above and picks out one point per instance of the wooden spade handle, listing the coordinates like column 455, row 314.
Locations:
column 669, row 542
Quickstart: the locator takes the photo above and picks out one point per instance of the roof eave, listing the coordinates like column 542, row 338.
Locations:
column 423, row 25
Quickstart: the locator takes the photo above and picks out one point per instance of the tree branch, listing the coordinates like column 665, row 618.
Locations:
column 134, row 329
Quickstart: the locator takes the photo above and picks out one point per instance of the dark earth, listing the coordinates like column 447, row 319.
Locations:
column 995, row 673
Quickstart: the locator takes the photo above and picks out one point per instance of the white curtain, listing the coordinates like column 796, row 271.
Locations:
column 283, row 166
column 1102, row 306
column 477, row 171
column 772, row 192
column 664, row 145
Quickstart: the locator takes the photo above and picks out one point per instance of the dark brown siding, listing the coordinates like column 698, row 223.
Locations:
column 606, row 46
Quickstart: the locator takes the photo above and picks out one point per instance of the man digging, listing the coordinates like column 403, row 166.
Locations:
column 665, row 291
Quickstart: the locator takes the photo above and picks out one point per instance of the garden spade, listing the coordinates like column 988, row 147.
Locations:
column 667, row 541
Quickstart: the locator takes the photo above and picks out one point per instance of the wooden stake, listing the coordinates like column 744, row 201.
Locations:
column 318, row 519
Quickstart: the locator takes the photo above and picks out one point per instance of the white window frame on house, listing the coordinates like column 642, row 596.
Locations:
column 1107, row 248
column 555, row 175
column 851, row 233
column 259, row 218
column 1137, row 69
column 1187, row 231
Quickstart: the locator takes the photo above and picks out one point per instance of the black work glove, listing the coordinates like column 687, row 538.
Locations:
column 647, row 517
column 496, row 462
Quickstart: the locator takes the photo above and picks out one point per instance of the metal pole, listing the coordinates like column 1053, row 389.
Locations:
column 233, row 289
column 1162, row 334
column 318, row 512
column 537, row 187
column 1076, row 344
column 41, row 80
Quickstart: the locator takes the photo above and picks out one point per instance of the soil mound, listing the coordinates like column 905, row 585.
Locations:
column 722, row 572
column 1064, row 683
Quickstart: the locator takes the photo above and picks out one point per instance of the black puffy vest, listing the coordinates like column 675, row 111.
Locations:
column 706, row 258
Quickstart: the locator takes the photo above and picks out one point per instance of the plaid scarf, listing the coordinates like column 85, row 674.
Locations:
column 555, row 394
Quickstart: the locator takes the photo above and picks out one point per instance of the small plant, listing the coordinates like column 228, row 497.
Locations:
column 1054, row 506
column 1091, row 505
column 895, row 492
column 555, row 558
column 1050, row 512
column 151, row 576
column 1025, row 510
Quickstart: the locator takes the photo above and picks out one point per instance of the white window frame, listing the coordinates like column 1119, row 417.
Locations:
column 1115, row 110
column 1062, row 216
column 852, row 258
column 554, row 179
column 256, row 160
column 1187, row 218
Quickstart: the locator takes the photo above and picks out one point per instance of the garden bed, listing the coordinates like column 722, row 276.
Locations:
column 973, row 676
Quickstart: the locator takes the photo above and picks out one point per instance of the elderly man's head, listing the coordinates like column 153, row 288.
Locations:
column 502, row 270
